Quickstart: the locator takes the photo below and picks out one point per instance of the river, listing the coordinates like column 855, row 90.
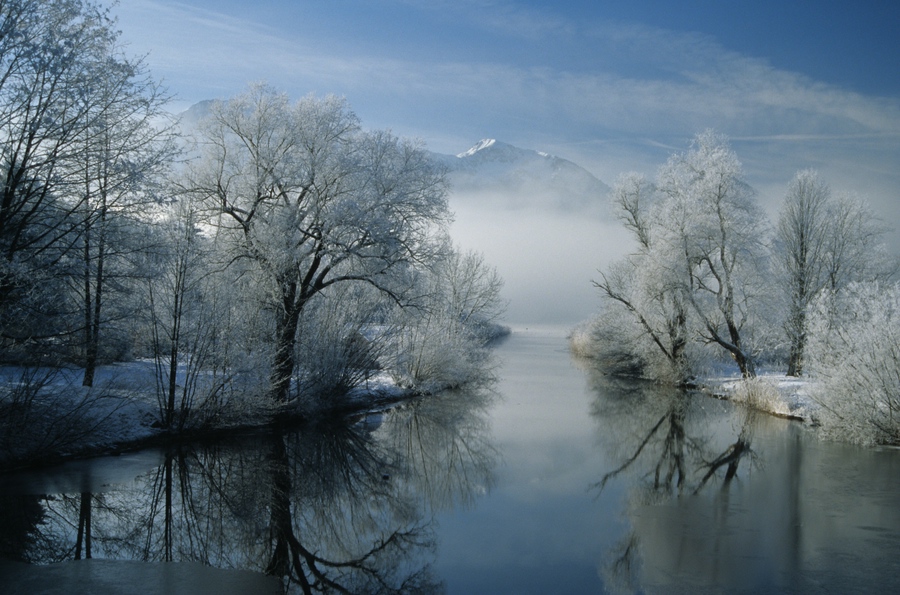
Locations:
column 549, row 479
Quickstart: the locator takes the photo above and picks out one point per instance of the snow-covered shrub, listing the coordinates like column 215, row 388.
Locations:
column 45, row 412
column 621, row 346
column 428, row 358
column 760, row 393
column 609, row 339
column 854, row 357
column 582, row 341
column 337, row 346
column 442, row 343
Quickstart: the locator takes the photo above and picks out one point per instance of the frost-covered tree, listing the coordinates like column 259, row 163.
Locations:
column 823, row 243
column 698, row 271
column 854, row 357
column 656, row 342
column 124, row 157
column 711, row 224
column 801, row 233
column 855, row 250
column 310, row 200
column 78, row 146
column 51, row 52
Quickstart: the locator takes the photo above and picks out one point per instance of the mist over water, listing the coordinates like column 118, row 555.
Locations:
column 547, row 256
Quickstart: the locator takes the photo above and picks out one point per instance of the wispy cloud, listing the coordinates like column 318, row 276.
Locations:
column 670, row 83
column 500, row 16
column 609, row 91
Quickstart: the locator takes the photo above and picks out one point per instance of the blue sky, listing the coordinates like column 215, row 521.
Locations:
column 612, row 85
column 570, row 77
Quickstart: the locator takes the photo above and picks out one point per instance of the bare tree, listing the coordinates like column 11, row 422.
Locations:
column 823, row 243
column 77, row 145
column 182, row 323
column 312, row 201
column 715, row 232
column 50, row 53
column 124, row 156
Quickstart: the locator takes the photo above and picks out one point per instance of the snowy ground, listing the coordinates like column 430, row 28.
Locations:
column 46, row 413
column 64, row 419
column 772, row 392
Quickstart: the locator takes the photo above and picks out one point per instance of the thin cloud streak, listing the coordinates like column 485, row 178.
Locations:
column 737, row 94
column 501, row 17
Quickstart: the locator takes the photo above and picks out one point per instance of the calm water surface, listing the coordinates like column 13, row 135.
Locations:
column 552, row 479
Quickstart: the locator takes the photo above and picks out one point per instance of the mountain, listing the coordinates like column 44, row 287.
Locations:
column 521, row 177
column 191, row 117
column 499, row 174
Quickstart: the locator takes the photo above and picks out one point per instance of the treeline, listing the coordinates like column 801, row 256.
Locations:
column 812, row 294
column 276, row 254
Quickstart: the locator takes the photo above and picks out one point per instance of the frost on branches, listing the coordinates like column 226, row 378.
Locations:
column 342, row 235
column 854, row 358
column 697, row 278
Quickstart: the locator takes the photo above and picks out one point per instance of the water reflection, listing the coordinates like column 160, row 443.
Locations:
column 662, row 435
column 667, row 449
column 724, row 499
column 344, row 506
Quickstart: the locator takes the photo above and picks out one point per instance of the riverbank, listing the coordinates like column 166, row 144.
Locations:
column 47, row 417
column 770, row 392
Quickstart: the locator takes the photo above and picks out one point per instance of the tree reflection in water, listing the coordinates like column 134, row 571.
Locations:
column 345, row 506
column 336, row 523
column 664, row 443
column 442, row 447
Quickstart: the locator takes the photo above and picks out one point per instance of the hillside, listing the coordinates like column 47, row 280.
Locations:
column 518, row 177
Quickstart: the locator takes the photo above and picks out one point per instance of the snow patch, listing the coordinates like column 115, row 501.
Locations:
column 479, row 146
column 771, row 392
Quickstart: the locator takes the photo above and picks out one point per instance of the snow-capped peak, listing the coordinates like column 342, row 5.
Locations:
column 480, row 145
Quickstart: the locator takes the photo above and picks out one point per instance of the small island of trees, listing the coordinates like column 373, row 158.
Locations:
column 813, row 295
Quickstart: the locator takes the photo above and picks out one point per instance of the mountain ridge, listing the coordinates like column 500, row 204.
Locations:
column 516, row 177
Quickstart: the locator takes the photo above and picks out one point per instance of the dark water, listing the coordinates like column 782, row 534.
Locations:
column 551, row 480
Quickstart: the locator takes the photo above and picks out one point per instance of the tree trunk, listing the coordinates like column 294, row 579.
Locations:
column 173, row 357
column 83, row 538
column 745, row 363
column 89, row 358
column 283, row 370
column 677, row 329
column 795, row 363
column 798, row 342
column 93, row 311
